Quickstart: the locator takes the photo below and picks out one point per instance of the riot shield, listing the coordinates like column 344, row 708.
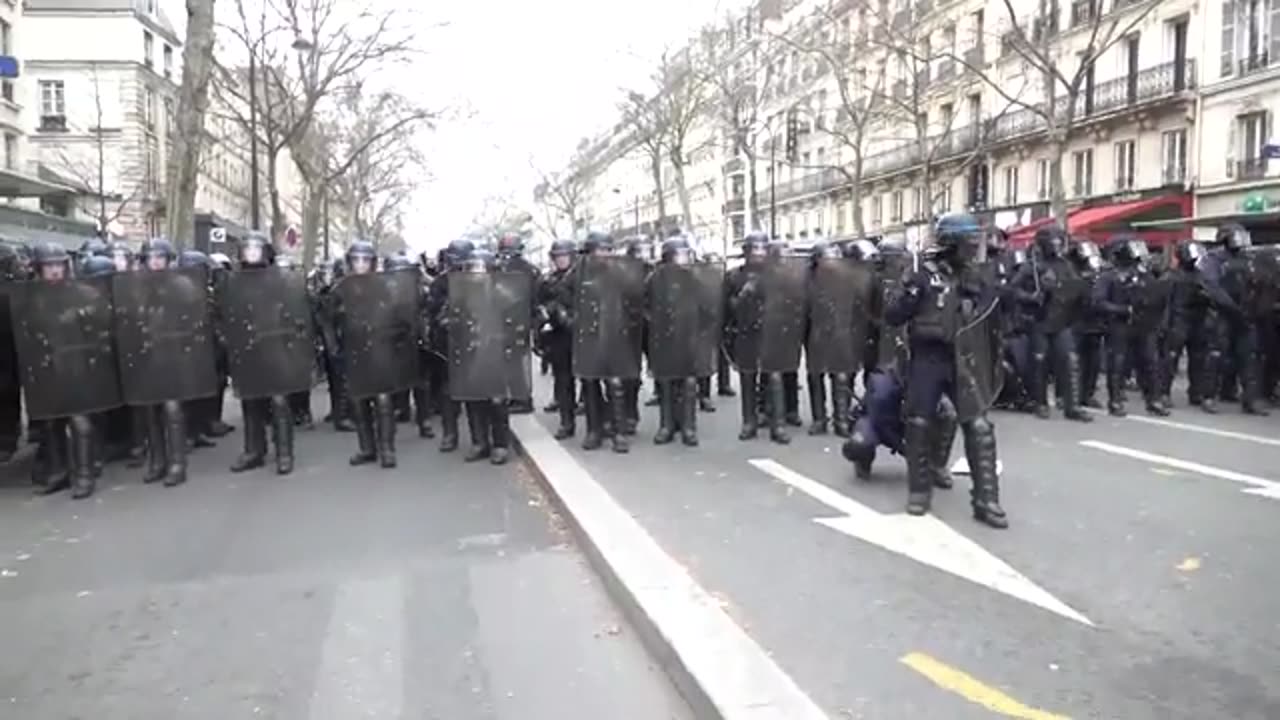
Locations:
column 66, row 356
column 1064, row 301
column 379, row 322
column 839, row 310
column 675, row 317
column 608, row 317
column 743, row 339
column 784, row 283
column 979, row 366
column 709, row 279
column 164, row 335
column 490, row 322
column 1263, row 286
column 266, row 324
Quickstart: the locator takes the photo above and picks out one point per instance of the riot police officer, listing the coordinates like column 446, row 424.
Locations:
column 640, row 248
column 1229, row 266
column 510, row 258
column 1193, row 328
column 677, row 396
column 166, row 423
column 375, row 417
column 604, row 398
column 1091, row 328
column 940, row 303
column 200, row 413
column 555, row 300
column 1119, row 295
column 822, row 252
column 257, row 253
column 742, row 326
column 452, row 259
column 1053, row 293
column 487, row 420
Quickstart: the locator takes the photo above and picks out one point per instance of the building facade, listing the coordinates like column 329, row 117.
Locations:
column 874, row 117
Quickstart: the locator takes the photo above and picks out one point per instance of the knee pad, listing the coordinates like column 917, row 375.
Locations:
column 981, row 425
column 857, row 449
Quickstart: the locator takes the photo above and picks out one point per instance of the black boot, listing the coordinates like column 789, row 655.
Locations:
column 777, row 409
column 980, row 450
column 666, row 413
column 618, row 409
column 421, row 411
column 919, row 479
column 942, row 435
column 157, row 461
column 564, row 402
column 631, row 392
column 478, row 425
column 1071, row 391
column 282, row 423
column 593, row 403
column 385, row 432
column 449, row 410
column 255, row 438
column 176, row 445
column 840, row 403
column 689, row 413
column 53, row 451
column 750, row 408
column 500, row 434
column 1116, row 393
column 366, row 442
column 791, row 398
column 82, row 457
column 704, row 395
column 724, row 387
column 818, row 404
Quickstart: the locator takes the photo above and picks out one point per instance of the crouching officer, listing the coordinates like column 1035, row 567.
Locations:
column 947, row 304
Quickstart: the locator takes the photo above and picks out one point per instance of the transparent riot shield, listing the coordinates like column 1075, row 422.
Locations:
column 979, row 366
column 784, row 282
column 608, row 317
column 66, row 353
column 164, row 335
column 490, row 323
column 379, row 321
column 840, row 293
column 267, row 327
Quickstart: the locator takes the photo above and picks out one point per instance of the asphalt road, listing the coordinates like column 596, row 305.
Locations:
column 437, row 591
column 1162, row 573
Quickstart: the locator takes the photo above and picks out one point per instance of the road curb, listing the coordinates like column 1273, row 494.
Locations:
column 721, row 672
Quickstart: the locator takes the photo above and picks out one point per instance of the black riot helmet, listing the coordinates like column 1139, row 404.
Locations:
column 638, row 246
column 598, row 243
column 510, row 246
column 1234, row 237
column 997, row 241
column 97, row 266
column 256, row 250
column 1051, row 241
column 11, row 263
column 479, row 260
column 1188, row 254
column 1128, row 251
column 561, row 253
column 861, row 250
column 959, row 237
column 677, row 251
column 361, row 257
column 396, row 262
column 50, row 261
column 194, row 258
column 1082, row 252
column 157, row 254
column 121, row 256
column 94, row 246
column 755, row 246
column 458, row 252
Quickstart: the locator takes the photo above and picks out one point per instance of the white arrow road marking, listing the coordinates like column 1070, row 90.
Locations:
column 924, row 539
column 1260, row 486
column 961, row 467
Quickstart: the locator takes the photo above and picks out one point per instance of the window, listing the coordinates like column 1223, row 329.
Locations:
column 1173, row 156
column 1009, row 181
column 1248, row 43
column 10, row 151
column 895, row 207
column 52, row 98
column 148, row 48
column 942, row 198
column 1042, row 179
column 168, row 61
column 168, row 116
column 917, row 204
column 1251, row 134
column 877, row 210
column 1082, row 162
column 1126, row 165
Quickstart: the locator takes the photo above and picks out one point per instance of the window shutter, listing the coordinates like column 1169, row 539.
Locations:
column 1228, row 37
column 1231, row 147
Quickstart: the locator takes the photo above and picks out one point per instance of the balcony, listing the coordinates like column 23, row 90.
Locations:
column 1083, row 12
column 1126, row 183
column 815, row 182
column 734, row 206
column 1251, row 168
column 1174, row 175
column 1010, row 43
column 1255, row 62
column 946, row 70
column 975, row 57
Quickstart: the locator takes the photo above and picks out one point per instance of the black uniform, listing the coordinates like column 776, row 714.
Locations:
column 555, row 338
column 741, row 321
column 1123, row 295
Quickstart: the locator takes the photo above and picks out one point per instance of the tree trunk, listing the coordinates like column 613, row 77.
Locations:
column 856, row 198
column 753, row 192
column 655, row 167
column 312, row 211
column 273, row 189
column 193, row 102
column 682, row 193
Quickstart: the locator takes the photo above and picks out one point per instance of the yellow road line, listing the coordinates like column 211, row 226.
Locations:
column 972, row 689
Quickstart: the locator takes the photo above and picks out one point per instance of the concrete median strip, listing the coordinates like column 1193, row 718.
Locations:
column 719, row 669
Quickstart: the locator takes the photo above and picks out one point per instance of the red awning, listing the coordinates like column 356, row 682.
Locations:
column 1100, row 222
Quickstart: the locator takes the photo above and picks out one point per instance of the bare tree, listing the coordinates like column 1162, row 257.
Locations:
column 1065, row 81
column 647, row 122
column 108, row 155
column 193, row 103
column 560, row 197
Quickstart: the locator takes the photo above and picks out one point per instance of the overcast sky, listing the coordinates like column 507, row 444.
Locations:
column 529, row 79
